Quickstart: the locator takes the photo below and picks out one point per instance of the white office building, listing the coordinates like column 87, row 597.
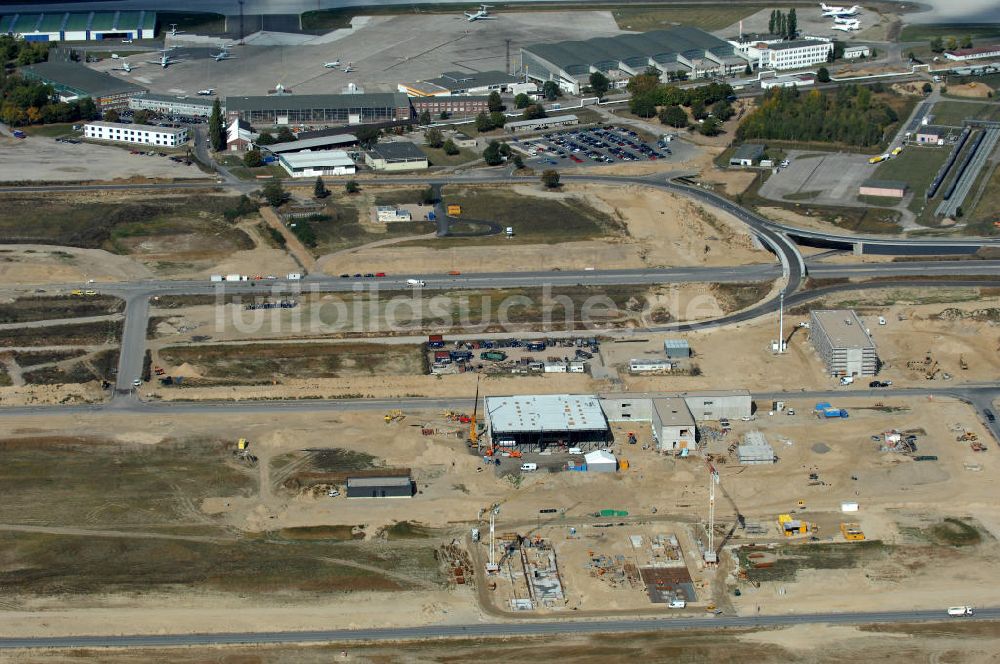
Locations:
column 168, row 105
column 118, row 132
column 793, row 54
column 310, row 164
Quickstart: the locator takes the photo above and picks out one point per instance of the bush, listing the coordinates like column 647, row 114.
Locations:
column 643, row 105
column 433, row 138
column 550, row 179
column 450, row 148
column 351, row 187
column 674, row 116
column 823, row 75
column 253, row 159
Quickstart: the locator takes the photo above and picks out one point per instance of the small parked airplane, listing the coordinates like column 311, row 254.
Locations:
column 349, row 68
column 165, row 59
column 482, row 15
column 126, row 67
column 845, row 20
column 830, row 11
column 208, row 92
column 224, row 54
column 847, row 27
column 332, row 65
column 174, row 31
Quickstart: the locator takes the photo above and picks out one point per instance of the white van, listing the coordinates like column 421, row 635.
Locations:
column 294, row 276
column 415, row 282
column 676, row 604
column 575, row 450
column 528, row 467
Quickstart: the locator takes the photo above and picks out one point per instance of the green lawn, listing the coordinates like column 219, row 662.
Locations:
column 438, row 157
column 51, row 130
column 984, row 32
column 204, row 23
column 952, row 113
column 706, row 17
column 915, row 166
column 982, row 219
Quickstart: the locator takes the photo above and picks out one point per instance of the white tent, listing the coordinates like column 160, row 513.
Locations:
column 601, row 461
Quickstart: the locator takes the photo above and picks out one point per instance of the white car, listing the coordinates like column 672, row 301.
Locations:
column 137, row 382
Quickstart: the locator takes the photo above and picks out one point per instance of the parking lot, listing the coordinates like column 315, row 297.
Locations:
column 597, row 145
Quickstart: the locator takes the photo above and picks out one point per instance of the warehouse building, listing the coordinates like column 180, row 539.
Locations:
column 678, row 50
column 328, row 142
column 80, row 26
column 397, row 156
column 380, row 487
column 312, row 164
column 977, row 53
column 711, row 405
column 71, row 80
column 536, row 423
column 673, row 425
column 462, row 83
column 452, row 105
column 192, row 107
column 747, row 154
column 542, row 124
column 351, row 109
column 843, row 343
column 793, row 54
column 118, row 132
column 883, row 188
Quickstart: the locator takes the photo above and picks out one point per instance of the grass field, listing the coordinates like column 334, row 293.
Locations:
column 27, row 309
column 199, row 22
column 437, row 156
column 984, row 32
column 50, row 130
column 952, row 113
column 123, row 225
column 34, row 358
column 535, row 220
column 706, row 17
column 265, row 363
column 101, row 366
column 986, row 213
column 793, row 558
column 84, row 334
column 915, row 166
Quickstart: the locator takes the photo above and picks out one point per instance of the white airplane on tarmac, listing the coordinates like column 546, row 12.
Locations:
column 332, row 65
column 208, row 92
column 349, row 68
column 223, row 54
column 847, row 27
column 126, row 67
column 830, row 11
column 482, row 15
column 165, row 59
column 845, row 20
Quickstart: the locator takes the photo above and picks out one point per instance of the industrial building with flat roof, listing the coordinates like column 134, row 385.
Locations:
column 315, row 143
column 195, row 107
column 541, row 421
column 351, row 109
column 72, row 80
column 461, row 83
column 310, row 164
column 843, row 343
column 118, row 132
column 710, row 405
column 677, row 50
column 396, row 156
column 380, row 487
column 793, row 54
column 673, row 425
column 80, row 26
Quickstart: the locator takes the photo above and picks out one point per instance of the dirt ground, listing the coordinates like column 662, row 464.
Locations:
column 40, row 264
column 42, row 159
column 974, row 89
column 664, row 230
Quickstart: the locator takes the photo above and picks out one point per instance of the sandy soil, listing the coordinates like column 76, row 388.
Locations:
column 39, row 264
column 975, row 89
column 663, row 230
column 42, row 159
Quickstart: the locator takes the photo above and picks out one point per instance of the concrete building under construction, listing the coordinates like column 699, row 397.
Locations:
column 537, row 422
column 843, row 343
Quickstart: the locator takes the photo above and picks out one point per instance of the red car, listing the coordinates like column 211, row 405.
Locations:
column 380, row 274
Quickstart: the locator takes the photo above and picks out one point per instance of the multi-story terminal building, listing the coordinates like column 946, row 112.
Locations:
column 118, row 132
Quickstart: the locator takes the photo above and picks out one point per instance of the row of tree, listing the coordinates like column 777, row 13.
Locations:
column 24, row 102
column 21, row 52
column 851, row 115
column 785, row 25
column 433, row 138
column 939, row 44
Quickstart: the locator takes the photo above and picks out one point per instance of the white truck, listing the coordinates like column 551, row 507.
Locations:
column 960, row 611
column 235, row 277
column 415, row 282
column 216, row 277
column 294, row 276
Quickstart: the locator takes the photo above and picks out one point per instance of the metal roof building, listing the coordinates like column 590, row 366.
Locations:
column 680, row 49
column 334, row 141
column 199, row 107
column 396, row 156
column 72, row 80
column 549, row 420
column 843, row 343
column 349, row 109
column 80, row 26
column 380, row 487
column 677, row 348
column 312, row 164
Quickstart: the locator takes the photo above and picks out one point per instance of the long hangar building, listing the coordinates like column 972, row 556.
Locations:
column 79, row 26
column 369, row 108
column 682, row 49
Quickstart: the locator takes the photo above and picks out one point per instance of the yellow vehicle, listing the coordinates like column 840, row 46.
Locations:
column 76, row 292
column 454, row 210
column 897, row 151
column 878, row 158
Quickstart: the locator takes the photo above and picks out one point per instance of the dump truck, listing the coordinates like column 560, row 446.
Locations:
column 961, row 611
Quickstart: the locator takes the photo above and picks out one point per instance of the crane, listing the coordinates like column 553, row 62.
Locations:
column 711, row 558
column 473, row 432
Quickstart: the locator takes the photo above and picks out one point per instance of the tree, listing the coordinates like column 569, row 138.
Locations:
column 873, row 54
column 823, row 75
column 793, row 24
column 253, row 159
column 772, row 22
column 367, row 136
column 951, row 44
column 710, row 127
column 427, row 195
column 285, row 135
column 937, row 44
column 534, row 112
column 967, row 41
column 433, row 138
column 450, row 148
column 274, row 193
column 505, row 150
column 747, row 71
column 698, row 111
column 928, row 88
column 643, row 105
column 498, row 119
column 550, row 179
column 518, row 162
column 782, row 24
column 599, row 83
column 351, row 187
column 551, row 91
column 483, row 122
column 521, row 101
column 674, row 116
column 444, row 115
column 216, row 127
column 142, row 116
column 494, row 103
column 111, row 115
column 319, row 189
column 266, row 138
column 88, row 109
column 643, row 83
column 492, row 154
column 722, row 110
column 425, row 117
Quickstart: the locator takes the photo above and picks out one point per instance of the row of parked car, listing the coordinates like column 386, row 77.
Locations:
column 600, row 144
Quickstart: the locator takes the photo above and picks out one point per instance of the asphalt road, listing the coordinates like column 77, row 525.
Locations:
column 494, row 630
